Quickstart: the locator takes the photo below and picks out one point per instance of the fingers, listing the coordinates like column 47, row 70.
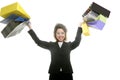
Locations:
column 28, row 23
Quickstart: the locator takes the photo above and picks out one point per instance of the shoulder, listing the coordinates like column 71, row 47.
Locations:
column 67, row 43
column 52, row 43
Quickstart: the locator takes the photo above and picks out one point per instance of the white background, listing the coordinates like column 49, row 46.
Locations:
column 97, row 57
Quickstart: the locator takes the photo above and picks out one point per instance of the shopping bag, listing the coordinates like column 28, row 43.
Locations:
column 14, row 8
column 102, row 18
column 90, row 16
column 96, row 24
column 13, row 28
column 8, row 19
column 85, row 29
column 99, row 22
column 97, row 9
column 12, row 17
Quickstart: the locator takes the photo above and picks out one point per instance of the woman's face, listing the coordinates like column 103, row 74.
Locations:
column 60, row 35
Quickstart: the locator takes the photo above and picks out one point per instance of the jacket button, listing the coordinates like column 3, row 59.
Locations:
column 61, row 69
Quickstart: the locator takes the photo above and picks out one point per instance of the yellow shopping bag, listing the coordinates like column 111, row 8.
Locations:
column 14, row 8
column 85, row 29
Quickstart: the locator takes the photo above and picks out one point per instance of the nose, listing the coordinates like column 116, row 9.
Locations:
column 60, row 34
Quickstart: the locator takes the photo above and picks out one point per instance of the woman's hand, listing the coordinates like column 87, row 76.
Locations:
column 80, row 25
column 29, row 24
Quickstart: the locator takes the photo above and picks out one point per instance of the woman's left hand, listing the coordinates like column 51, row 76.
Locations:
column 80, row 25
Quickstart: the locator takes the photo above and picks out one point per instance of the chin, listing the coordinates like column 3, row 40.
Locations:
column 60, row 40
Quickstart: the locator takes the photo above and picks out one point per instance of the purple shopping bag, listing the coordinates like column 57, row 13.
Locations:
column 98, row 24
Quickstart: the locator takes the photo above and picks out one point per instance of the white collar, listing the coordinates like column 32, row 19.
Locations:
column 60, row 44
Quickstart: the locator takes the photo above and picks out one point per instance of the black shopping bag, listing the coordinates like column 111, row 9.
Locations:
column 98, row 9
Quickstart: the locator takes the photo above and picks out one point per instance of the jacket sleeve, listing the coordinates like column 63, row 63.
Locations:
column 39, row 42
column 77, row 40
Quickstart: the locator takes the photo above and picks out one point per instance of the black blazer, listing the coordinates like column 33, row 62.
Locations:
column 60, row 57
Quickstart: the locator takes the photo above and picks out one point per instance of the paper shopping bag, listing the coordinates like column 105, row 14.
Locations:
column 102, row 18
column 100, row 9
column 90, row 16
column 8, row 19
column 13, row 28
column 14, row 8
column 85, row 29
column 96, row 24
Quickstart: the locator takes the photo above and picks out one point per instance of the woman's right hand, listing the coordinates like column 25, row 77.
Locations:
column 29, row 24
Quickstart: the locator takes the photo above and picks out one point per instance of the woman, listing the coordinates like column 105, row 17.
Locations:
column 60, row 67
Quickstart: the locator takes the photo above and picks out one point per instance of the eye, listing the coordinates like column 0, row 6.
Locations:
column 62, row 33
column 57, row 33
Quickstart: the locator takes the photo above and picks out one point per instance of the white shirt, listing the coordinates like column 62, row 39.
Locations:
column 60, row 44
